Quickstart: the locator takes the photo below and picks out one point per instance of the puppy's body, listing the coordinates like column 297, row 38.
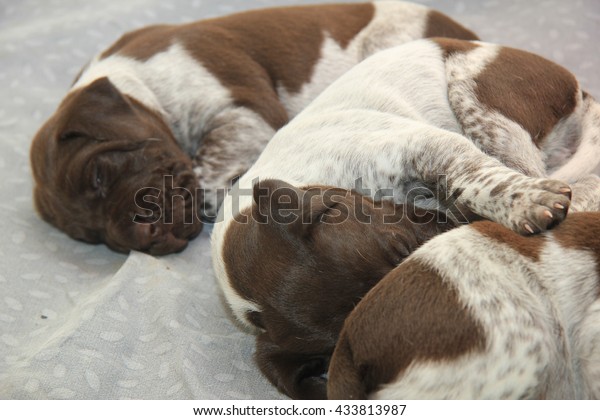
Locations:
column 221, row 87
column 468, row 121
column 480, row 313
column 392, row 123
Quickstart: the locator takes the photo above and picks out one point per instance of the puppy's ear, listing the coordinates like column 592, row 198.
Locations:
column 276, row 202
column 297, row 375
column 101, row 100
column 279, row 203
column 324, row 205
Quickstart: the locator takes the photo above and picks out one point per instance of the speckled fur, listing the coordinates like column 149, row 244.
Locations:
column 224, row 135
column 539, row 318
column 395, row 121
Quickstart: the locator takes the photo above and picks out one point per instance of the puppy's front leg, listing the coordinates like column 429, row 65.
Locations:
column 484, row 185
column 523, row 204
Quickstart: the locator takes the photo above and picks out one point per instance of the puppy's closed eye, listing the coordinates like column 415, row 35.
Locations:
column 97, row 178
column 70, row 135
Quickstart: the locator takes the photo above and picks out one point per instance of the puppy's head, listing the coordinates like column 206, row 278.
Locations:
column 298, row 261
column 108, row 169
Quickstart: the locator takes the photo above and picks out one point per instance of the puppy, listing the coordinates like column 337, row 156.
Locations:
column 465, row 128
column 336, row 255
column 170, row 109
column 480, row 313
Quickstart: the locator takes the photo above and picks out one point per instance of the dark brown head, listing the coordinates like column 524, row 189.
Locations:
column 304, row 258
column 107, row 169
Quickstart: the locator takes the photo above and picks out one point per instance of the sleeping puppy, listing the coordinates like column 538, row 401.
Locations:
column 155, row 128
column 480, row 313
column 456, row 127
column 336, row 255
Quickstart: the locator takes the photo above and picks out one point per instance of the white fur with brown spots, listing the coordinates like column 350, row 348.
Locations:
column 535, row 303
column 440, row 114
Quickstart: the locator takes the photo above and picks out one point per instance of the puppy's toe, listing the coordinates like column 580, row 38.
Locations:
column 541, row 206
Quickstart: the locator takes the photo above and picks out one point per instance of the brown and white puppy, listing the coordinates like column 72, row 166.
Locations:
column 474, row 125
column 343, row 243
column 480, row 313
column 166, row 104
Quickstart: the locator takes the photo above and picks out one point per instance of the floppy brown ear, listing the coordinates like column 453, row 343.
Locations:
column 297, row 375
column 100, row 100
column 276, row 202
column 319, row 204
column 280, row 203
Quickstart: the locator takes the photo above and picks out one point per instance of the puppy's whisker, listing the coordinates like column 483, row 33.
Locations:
column 359, row 253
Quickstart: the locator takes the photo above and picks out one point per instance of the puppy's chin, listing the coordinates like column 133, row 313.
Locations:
column 170, row 244
column 167, row 244
column 156, row 238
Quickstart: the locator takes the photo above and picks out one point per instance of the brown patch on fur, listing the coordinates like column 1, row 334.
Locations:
column 528, row 246
column 577, row 231
column 500, row 188
column 247, row 56
column 580, row 231
column 143, row 43
column 285, row 42
column 503, row 186
column 453, row 46
column 411, row 315
column 528, row 89
column 255, row 51
column 440, row 25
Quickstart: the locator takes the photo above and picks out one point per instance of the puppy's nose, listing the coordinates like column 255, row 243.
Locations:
column 153, row 238
column 146, row 234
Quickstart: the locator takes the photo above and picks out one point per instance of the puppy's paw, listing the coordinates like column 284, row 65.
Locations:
column 538, row 205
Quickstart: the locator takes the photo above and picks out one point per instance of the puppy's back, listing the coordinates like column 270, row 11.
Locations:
column 412, row 315
column 478, row 313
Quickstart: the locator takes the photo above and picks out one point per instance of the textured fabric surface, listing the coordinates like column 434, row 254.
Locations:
column 80, row 321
